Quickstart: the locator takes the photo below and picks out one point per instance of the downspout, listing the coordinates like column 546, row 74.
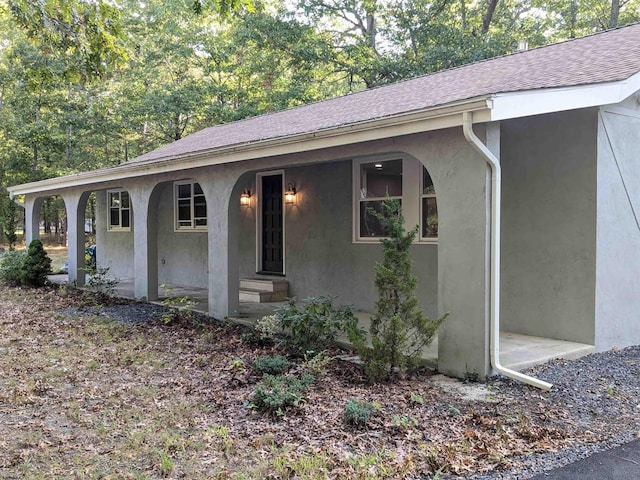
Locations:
column 496, row 182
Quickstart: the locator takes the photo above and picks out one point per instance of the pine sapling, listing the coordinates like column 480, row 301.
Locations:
column 399, row 329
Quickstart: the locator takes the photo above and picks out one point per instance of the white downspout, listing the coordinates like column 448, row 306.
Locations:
column 496, row 182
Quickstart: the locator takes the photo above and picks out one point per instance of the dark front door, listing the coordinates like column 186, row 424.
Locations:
column 272, row 251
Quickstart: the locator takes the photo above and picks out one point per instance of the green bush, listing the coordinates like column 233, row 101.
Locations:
column 272, row 365
column 11, row 267
column 102, row 286
column 317, row 323
column 277, row 393
column 36, row 265
column 357, row 413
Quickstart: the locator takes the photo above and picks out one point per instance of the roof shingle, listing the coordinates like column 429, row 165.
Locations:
column 604, row 57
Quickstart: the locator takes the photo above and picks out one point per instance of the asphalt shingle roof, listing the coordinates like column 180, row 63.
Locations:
column 604, row 57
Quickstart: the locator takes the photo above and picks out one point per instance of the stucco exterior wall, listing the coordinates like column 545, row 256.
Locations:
column 617, row 303
column 320, row 256
column 549, row 225
column 182, row 255
column 114, row 249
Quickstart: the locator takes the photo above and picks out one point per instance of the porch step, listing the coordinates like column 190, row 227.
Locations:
column 260, row 290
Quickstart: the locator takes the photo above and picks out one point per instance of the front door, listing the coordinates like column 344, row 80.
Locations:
column 272, row 224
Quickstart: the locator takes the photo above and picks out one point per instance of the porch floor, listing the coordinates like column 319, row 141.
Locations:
column 517, row 351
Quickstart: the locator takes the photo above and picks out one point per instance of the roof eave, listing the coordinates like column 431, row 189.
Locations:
column 429, row 119
column 538, row 102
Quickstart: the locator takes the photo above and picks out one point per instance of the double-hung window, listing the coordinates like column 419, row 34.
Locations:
column 402, row 179
column 190, row 206
column 119, row 210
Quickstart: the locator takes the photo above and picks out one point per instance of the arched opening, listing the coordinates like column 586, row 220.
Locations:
column 325, row 252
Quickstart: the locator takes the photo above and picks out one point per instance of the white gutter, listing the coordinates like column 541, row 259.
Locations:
column 496, row 182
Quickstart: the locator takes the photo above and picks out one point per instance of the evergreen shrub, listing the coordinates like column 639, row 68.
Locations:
column 399, row 329
column 11, row 267
column 36, row 265
column 272, row 365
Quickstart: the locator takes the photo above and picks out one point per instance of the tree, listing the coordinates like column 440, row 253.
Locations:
column 399, row 330
column 10, row 222
column 85, row 35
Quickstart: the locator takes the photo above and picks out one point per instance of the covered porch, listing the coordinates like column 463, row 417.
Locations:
column 517, row 351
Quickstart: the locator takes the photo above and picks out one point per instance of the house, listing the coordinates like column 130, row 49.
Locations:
column 531, row 158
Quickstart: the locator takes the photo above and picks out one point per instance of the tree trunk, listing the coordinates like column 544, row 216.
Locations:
column 68, row 147
column 615, row 13
column 463, row 15
column 486, row 20
column 371, row 31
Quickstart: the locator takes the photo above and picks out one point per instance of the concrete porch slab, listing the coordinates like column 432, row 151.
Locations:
column 517, row 351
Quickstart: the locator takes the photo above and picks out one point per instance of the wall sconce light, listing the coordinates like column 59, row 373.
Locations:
column 290, row 194
column 245, row 198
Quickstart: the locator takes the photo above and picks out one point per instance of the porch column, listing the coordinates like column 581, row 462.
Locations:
column 462, row 183
column 222, row 215
column 145, row 243
column 32, row 207
column 75, row 204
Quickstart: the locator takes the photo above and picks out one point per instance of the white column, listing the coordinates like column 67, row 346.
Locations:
column 145, row 242
column 32, row 206
column 222, row 219
column 75, row 204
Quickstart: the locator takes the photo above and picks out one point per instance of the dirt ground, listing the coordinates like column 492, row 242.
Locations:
column 86, row 396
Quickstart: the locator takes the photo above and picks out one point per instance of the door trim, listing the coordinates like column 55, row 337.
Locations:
column 259, row 176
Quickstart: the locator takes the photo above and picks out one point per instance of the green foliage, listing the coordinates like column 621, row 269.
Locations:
column 278, row 393
column 268, row 327
column 9, row 223
column 317, row 323
column 357, row 413
column 178, row 308
column 272, row 365
column 102, row 285
column 11, row 267
column 399, row 330
column 87, row 36
column 36, row 265
column 316, row 363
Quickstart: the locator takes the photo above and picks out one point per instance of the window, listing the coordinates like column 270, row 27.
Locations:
column 403, row 179
column 428, row 208
column 378, row 181
column 119, row 210
column 190, row 206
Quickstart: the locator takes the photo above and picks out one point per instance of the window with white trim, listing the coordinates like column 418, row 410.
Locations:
column 378, row 181
column 428, row 208
column 402, row 179
column 119, row 210
column 190, row 206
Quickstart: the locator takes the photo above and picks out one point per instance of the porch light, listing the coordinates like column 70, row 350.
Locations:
column 245, row 198
column 290, row 194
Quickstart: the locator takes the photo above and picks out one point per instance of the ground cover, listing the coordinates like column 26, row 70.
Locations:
column 84, row 395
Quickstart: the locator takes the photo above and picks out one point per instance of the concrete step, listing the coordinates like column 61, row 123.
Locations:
column 252, row 295
column 265, row 284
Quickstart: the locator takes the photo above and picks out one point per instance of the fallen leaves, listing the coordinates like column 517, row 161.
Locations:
column 89, row 396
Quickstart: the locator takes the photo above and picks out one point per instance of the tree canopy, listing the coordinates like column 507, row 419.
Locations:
column 92, row 83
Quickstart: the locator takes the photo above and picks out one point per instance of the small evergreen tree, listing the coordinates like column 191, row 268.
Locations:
column 36, row 265
column 399, row 330
column 10, row 223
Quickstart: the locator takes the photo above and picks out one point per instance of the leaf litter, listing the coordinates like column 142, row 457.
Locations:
column 85, row 395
